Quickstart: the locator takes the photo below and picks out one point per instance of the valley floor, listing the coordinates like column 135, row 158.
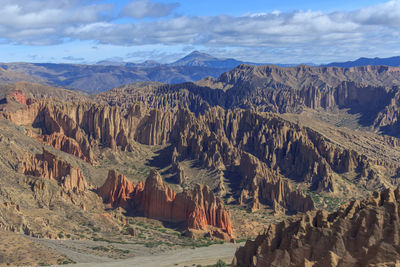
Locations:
column 75, row 250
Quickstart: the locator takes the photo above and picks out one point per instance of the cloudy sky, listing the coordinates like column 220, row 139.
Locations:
column 267, row 31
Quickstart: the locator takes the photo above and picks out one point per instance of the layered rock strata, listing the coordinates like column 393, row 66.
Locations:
column 362, row 233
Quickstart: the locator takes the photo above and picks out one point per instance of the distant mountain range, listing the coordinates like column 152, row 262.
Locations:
column 390, row 61
column 205, row 60
column 108, row 74
column 194, row 59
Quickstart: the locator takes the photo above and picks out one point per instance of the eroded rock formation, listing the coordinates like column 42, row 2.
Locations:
column 362, row 233
column 370, row 91
column 56, row 125
column 260, row 184
column 116, row 190
column 197, row 208
column 218, row 139
column 47, row 165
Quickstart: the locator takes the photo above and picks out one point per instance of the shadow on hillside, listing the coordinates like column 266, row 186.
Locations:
column 162, row 158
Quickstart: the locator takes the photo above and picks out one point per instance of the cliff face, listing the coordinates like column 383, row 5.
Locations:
column 197, row 208
column 48, row 166
column 360, row 233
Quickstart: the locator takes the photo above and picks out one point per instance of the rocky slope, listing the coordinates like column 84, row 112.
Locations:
column 362, row 233
column 40, row 188
column 196, row 209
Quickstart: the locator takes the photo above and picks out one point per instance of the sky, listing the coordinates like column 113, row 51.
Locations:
column 263, row 31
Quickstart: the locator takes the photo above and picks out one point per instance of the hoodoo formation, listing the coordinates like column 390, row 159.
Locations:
column 197, row 208
column 218, row 139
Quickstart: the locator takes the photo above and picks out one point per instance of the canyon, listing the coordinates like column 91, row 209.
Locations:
column 302, row 152
column 263, row 149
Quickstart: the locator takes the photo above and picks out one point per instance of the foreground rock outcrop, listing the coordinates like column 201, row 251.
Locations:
column 362, row 233
column 197, row 209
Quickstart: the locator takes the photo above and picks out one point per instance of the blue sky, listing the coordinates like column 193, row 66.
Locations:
column 285, row 31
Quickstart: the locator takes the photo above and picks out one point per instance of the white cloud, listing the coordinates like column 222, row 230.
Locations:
column 298, row 33
column 147, row 8
column 386, row 14
column 44, row 22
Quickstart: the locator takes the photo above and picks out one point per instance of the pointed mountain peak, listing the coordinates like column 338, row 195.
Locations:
column 199, row 56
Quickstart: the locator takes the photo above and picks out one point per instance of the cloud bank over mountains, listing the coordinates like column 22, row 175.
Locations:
column 147, row 22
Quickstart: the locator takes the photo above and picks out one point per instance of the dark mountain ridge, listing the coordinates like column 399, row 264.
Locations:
column 363, row 61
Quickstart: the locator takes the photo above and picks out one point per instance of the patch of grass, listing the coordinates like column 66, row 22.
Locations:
column 108, row 241
column 219, row 263
column 123, row 251
column 151, row 244
column 65, row 262
column 96, row 229
column 101, row 248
